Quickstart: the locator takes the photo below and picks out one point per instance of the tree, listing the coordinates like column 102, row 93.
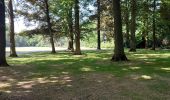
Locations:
column 70, row 25
column 165, row 19
column 119, row 54
column 11, row 30
column 98, row 26
column 49, row 27
column 133, row 26
column 127, row 40
column 77, row 28
column 145, row 20
column 3, row 61
column 154, row 26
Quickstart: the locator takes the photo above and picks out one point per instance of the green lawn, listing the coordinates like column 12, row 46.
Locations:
column 145, row 77
column 143, row 62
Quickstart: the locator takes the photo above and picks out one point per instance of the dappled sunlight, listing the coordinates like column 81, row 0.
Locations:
column 149, row 59
column 86, row 69
column 4, row 85
column 146, row 77
column 7, row 91
column 65, row 73
column 144, row 56
column 166, row 69
column 26, row 85
column 62, row 69
column 134, row 68
column 124, row 69
column 164, row 54
column 143, row 77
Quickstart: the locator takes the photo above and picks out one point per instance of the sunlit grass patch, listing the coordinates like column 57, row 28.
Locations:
column 144, row 62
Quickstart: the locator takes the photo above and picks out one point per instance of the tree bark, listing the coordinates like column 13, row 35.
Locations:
column 133, row 26
column 154, row 26
column 3, row 61
column 119, row 54
column 11, row 30
column 147, row 26
column 127, row 42
column 98, row 26
column 71, row 37
column 77, row 28
column 49, row 27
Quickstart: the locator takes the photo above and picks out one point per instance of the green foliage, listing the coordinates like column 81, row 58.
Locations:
column 33, row 11
column 90, row 40
column 38, row 41
column 35, row 40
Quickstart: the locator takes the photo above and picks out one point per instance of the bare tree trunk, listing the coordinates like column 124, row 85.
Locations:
column 119, row 54
column 127, row 24
column 49, row 27
column 147, row 37
column 147, row 26
column 133, row 26
column 71, row 37
column 3, row 61
column 98, row 26
column 154, row 26
column 77, row 28
column 11, row 30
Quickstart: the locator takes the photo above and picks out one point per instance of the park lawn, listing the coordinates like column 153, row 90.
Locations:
column 91, row 76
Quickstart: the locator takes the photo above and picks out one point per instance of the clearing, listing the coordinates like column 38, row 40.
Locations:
column 91, row 76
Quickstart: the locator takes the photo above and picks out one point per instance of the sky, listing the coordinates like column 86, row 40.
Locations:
column 19, row 26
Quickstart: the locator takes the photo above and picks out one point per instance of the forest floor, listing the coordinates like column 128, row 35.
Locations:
column 91, row 76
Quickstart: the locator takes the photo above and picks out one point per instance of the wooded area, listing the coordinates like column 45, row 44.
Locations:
column 137, row 30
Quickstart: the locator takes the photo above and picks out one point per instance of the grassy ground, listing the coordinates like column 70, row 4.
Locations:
column 91, row 76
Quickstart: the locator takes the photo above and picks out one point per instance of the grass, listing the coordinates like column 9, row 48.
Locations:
column 145, row 76
column 143, row 62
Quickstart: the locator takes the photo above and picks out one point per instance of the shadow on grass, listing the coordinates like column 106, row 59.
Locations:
column 92, row 61
column 34, row 72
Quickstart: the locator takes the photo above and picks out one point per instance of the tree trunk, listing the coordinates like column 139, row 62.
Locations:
column 71, row 37
column 147, row 26
column 3, row 61
column 49, row 27
column 154, row 26
column 77, row 28
column 127, row 42
column 133, row 26
column 143, row 39
column 98, row 26
column 145, row 32
column 11, row 30
column 119, row 54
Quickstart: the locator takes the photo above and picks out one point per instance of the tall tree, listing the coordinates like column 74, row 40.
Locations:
column 49, row 26
column 154, row 26
column 70, row 25
column 119, row 54
column 11, row 30
column 127, row 40
column 77, row 28
column 98, row 26
column 133, row 26
column 3, row 61
column 145, row 17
